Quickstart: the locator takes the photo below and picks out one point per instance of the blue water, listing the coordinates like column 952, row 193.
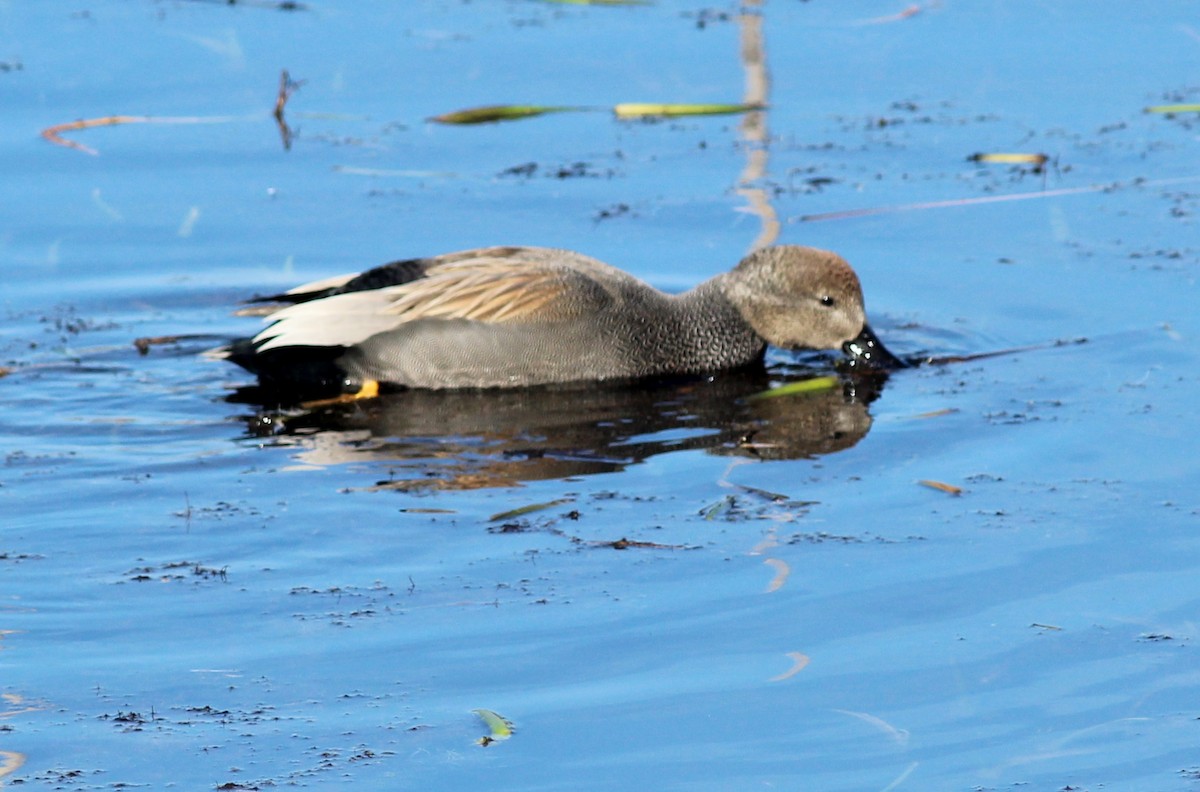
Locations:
column 187, row 603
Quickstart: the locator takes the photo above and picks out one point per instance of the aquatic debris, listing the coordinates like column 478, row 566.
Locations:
column 782, row 570
column 1011, row 158
column 54, row 133
column 144, row 343
column 849, row 213
column 813, row 385
column 774, row 497
column 633, row 110
column 491, row 113
column 625, row 544
column 719, row 509
column 948, row 359
column 500, row 727
column 520, row 511
column 941, row 485
column 626, row 111
column 988, row 199
column 1046, row 627
column 1170, row 109
column 287, row 87
column 799, row 663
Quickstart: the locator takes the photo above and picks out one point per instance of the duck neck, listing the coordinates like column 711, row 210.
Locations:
column 711, row 330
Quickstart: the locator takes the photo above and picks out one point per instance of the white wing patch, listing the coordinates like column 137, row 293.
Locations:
column 341, row 320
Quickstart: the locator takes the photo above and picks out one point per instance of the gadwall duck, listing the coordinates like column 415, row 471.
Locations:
column 504, row 317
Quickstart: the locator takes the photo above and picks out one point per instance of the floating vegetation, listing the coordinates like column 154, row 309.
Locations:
column 814, row 385
column 287, row 87
column 627, row 111
column 523, row 510
column 1169, row 109
column 499, row 727
column 1011, row 158
column 634, row 110
column 489, row 114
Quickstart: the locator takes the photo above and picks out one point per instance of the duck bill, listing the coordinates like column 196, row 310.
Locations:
column 868, row 351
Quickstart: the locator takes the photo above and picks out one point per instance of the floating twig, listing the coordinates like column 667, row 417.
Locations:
column 1026, row 196
column 144, row 343
column 626, row 544
column 948, row 359
column 949, row 489
column 987, row 199
column 287, row 87
column 54, row 133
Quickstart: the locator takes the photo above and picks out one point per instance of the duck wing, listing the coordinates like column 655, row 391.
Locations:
column 490, row 285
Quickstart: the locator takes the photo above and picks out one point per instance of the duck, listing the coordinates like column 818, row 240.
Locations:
column 519, row 316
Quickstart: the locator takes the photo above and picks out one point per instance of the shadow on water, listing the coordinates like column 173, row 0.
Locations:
column 491, row 438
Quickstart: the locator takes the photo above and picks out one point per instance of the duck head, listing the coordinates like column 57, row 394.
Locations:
column 799, row 297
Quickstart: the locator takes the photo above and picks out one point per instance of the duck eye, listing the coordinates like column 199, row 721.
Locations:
column 827, row 301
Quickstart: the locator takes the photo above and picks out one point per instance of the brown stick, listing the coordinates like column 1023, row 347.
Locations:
column 286, row 89
column 54, row 133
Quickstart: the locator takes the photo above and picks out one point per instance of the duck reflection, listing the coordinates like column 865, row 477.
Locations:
column 433, row 440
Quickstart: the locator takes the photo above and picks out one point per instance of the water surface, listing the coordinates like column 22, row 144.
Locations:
column 724, row 594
